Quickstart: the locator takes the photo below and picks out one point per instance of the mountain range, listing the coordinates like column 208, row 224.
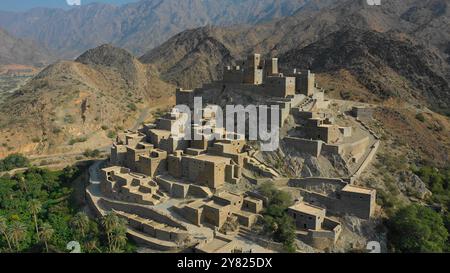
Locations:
column 22, row 51
column 138, row 26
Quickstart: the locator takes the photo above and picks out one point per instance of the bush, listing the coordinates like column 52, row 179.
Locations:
column 437, row 181
column 420, row 117
column 77, row 140
column 69, row 119
column 56, row 131
column 112, row 134
column 13, row 161
column 132, row 107
column 91, row 153
column 276, row 221
column 417, row 228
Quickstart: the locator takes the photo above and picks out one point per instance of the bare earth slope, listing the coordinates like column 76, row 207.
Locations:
column 388, row 65
column 71, row 106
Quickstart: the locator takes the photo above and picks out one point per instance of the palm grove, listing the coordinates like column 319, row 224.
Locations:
column 38, row 213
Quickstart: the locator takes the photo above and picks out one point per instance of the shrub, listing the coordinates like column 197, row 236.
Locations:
column 91, row 153
column 13, row 161
column 77, row 140
column 56, row 130
column 132, row 107
column 420, row 117
column 276, row 221
column 416, row 228
column 112, row 134
column 69, row 119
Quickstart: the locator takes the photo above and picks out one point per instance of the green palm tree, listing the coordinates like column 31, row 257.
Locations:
column 46, row 234
column 23, row 184
column 118, row 236
column 18, row 232
column 109, row 222
column 35, row 207
column 115, row 229
column 4, row 231
column 81, row 221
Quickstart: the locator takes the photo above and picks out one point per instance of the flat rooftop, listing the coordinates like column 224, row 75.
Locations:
column 308, row 209
column 214, row 205
column 133, row 134
column 213, row 158
column 195, row 204
column 357, row 189
column 160, row 132
column 215, row 245
column 114, row 168
column 229, row 196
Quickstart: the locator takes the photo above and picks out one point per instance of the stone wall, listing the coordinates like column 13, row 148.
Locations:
column 141, row 211
column 318, row 183
column 311, row 147
column 350, row 206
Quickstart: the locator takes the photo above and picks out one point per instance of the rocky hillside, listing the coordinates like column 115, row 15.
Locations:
column 72, row 106
column 136, row 26
column 388, row 64
column 21, row 51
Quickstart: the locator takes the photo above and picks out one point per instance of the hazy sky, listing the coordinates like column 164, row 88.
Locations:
column 22, row 5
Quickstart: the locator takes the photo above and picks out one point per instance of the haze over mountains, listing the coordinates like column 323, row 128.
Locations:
column 136, row 26
column 21, row 51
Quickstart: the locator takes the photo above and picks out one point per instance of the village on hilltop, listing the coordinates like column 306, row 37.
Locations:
column 202, row 195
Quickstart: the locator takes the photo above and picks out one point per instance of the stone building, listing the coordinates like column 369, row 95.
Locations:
column 161, row 148
column 322, row 129
column 218, row 210
column 362, row 113
column 120, row 183
column 305, row 82
column 307, row 216
column 358, row 201
column 265, row 75
column 313, row 226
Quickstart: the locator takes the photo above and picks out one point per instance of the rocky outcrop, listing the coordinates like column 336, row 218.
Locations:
column 412, row 185
column 385, row 64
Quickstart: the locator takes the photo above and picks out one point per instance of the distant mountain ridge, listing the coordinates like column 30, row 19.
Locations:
column 136, row 26
column 21, row 51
